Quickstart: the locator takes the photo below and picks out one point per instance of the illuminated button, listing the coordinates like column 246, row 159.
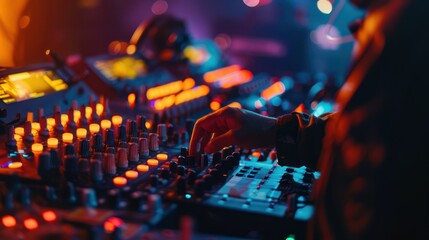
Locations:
column 31, row 223
column 8, row 221
column 94, row 128
column 76, row 115
column 17, row 137
column 37, row 148
column 116, row 120
column 256, row 154
column 15, row 165
column 35, row 126
column 132, row 99
column 81, row 132
column 152, row 162
column 161, row 157
column 142, row 168
column 105, row 124
column 99, row 108
column 120, row 181
column 52, row 143
column 109, row 227
column 131, row 174
column 88, row 112
column 214, row 105
column 50, row 122
column 64, row 119
column 19, row 131
column 49, row 216
column 112, row 223
column 67, row 137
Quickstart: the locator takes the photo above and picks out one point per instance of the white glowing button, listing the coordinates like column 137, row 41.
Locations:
column 50, row 122
column 162, row 156
column 67, row 137
column 152, row 162
column 52, row 143
column 131, row 174
column 94, row 128
column 99, row 108
column 116, row 120
column 37, row 148
column 35, row 126
column 105, row 124
column 19, row 131
column 142, row 168
column 81, row 132
column 15, row 165
column 120, row 181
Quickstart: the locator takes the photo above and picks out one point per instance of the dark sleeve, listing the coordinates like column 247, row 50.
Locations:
column 299, row 138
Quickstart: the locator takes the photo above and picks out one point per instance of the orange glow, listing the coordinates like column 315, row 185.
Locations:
column 88, row 112
column 131, row 49
column 300, row 108
column 188, row 83
column 17, row 137
column 52, row 142
column 81, row 133
column 112, row 223
column 213, row 76
column 324, row 6
column 164, row 90
column 76, row 115
column 64, row 119
column 273, row 90
column 105, row 124
column 132, row 100
column 148, row 124
column 31, row 223
column 142, row 168
column 162, row 156
column 99, row 108
column 234, row 79
column 37, row 148
column 50, row 122
column 19, row 131
column 109, row 227
column 67, row 137
column 94, row 128
column 35, row 126
column 256, row 154
column 49, row 216
column 8, row 221
column 164, row 102
column 131, row 174
column 235, row 104
column 152, row 162
column 116, row 120
column 119, row 181
column 191, row 94
column 15, row 165
column 214, row 105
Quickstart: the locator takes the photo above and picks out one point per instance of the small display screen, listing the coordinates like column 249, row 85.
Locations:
column 21, row 86
column 123, row 68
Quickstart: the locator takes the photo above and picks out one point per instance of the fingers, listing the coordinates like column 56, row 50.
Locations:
column 217, row 143
column 205, row 126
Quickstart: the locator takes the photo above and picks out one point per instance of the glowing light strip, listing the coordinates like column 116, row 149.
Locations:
column 234, row 79
column 273, row 90
column 212, row 76
column 169, row 88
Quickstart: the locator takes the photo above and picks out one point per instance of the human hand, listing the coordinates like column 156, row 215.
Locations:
column 232, row 126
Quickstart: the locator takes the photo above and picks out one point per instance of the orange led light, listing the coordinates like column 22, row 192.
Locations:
column 142, row 168
column 35, row 126
column 109, row 227
column 17, row 137
column 31, row 223
column 81, row 132
column 19, row 131
column 52, row 143
column 152, row 162
column 164, row 90
column 119, row 181
column 112, row 223
column 234, row 79
column 273, row 90
column 88, row 112
column 105, row 124
column 8, row 221
column 131, row 174
column 94, row 128
column 67, row 137
column 188, row 83
column 37, row 148
column 162, row 157
column 116, row 120
column 64, row 119
column 214, row 105
column 212, row 76
column 49, row 216
column 50, row 122
column 99, row 108
column 191, row 94
column 256, row 154
column 132, row 100
column 148, row 125
column 235, row 104
column 76, row 115
column 15, row 165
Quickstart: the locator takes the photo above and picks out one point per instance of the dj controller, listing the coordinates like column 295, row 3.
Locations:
column 105, row 156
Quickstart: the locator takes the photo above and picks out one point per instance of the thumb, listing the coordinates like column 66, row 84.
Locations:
column 218, row 142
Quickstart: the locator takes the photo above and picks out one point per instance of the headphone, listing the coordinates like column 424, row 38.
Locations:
column 162, row 38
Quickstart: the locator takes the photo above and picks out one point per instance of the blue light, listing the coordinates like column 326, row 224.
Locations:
column 188, row 196
column 276, row 101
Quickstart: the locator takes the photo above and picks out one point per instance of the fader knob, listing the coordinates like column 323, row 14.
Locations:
column 200, row 187
column 153, row 142
column 97, row 143
column 114, row 198
column 181, row 185
column 143, row 148
column 162, row 132
column 96, row 170
column 122, row 132
column 44, row 164
column 173, row 166
column 181, row 170
column 192, row 176
column 122, row 157
column 133, row 154
column 110, row 138
column 109, row 164
column 89, row 198
column 70, row 167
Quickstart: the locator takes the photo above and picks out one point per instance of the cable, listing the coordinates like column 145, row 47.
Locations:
column 332, row 18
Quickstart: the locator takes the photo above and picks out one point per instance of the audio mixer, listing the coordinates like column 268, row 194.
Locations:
column 82, row 167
